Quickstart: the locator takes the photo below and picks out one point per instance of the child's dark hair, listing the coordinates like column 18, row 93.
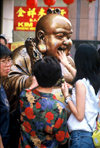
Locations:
column 4, row 51
column 47, row 71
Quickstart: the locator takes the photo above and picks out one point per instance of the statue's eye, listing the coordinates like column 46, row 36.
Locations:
column 60, row 35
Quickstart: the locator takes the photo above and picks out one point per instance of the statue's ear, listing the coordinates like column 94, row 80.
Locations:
column 41, row 44
column 40, row 35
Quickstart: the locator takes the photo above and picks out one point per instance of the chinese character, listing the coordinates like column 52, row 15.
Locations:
column 31, row 12
column 63, row 12
column 41, row 12
column 20, row 12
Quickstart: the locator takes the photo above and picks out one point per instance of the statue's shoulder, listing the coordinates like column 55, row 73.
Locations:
column 19, row 54
column 20, row 51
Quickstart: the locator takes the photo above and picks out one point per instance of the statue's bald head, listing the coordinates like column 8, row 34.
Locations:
column 53, row 33
column 49, row 21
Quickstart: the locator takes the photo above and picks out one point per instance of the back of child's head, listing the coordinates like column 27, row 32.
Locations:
column 4, row 51
column 47, row 71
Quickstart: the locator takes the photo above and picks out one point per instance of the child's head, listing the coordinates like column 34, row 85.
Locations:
column 47, row 71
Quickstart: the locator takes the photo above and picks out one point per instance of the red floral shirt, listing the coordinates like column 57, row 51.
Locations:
column 43, row 120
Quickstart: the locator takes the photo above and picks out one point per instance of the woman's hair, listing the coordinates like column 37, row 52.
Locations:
column 47, row 71
column 87, row 62
column 99, row 51
column 4, row 51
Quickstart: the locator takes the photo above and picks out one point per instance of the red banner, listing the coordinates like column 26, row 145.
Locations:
column 25, row 18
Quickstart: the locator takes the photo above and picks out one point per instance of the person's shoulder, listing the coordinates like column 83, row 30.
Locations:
column 19, row 53
column 80, row 83
column 19, row 50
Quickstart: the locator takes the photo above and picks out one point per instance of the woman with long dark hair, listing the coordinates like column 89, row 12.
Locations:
column 84, row 100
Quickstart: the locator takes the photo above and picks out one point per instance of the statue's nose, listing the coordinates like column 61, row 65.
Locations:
column 67, row 42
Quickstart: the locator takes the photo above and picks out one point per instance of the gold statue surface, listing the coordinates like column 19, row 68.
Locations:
column 52, row 37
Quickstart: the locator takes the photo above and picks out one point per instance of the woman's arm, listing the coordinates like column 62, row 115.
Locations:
column 79, row 109
column 1, row 144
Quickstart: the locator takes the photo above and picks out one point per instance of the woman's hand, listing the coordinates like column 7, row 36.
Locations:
column 65, row 89
column 68, row 63
column 63, row 58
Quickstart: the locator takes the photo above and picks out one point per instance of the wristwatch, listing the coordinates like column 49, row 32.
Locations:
column 67, row 99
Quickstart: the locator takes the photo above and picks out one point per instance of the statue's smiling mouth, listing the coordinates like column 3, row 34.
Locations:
column 60, row 48
column 66, row 46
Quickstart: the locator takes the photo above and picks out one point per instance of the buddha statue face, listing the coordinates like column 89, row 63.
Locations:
column 53, row 33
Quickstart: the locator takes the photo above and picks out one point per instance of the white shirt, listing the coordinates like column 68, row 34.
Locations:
column 91, row 110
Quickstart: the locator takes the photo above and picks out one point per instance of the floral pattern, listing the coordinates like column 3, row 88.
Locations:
column 43, row 120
